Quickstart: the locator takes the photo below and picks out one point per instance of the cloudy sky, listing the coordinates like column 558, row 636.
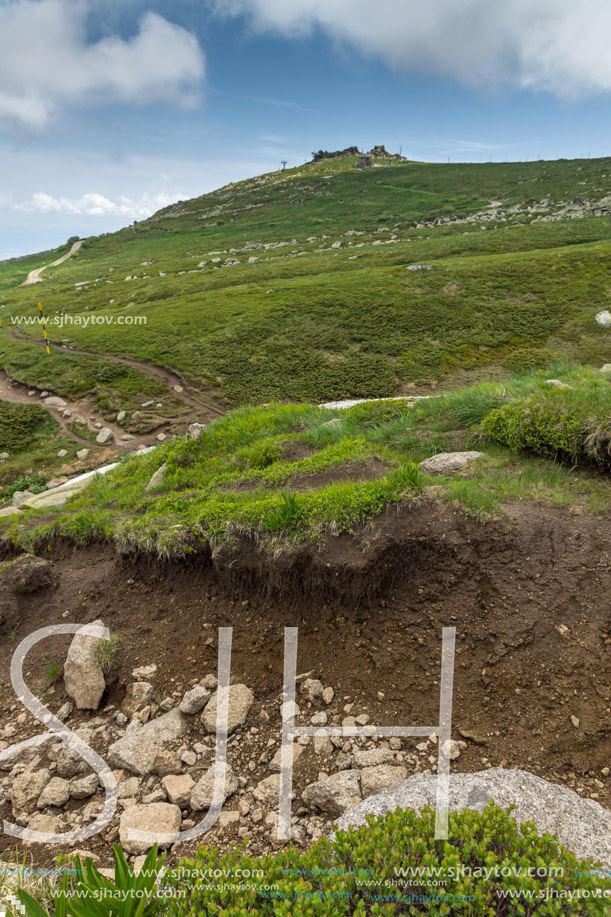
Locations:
column 110, row 109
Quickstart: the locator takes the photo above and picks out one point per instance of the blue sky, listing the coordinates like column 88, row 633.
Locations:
column 114, row 108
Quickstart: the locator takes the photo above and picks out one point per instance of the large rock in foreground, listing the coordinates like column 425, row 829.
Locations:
column 581, row 825
column 83, row 675
column 161, row 819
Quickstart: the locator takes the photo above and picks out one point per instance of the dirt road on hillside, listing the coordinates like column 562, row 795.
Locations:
column 34, row 276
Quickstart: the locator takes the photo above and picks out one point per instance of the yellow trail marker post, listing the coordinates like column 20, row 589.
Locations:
column 44, row 330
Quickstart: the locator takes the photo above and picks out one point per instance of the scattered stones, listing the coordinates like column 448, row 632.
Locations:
column 27, row 788
column 448, row 462
column 160, row 821
column 194, row 700
column 312, row 690
column 138, row 695
column 104, row 436
column 201, row 797
column 267, row 791
column 372, row 757
column 240, row 701
column 157, row 477
column 322, row 744
column 334, row 795
column 83, row 675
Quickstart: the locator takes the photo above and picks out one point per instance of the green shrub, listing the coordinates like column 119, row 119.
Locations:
column 18, row 423
column 527, row 358
column 359, row 872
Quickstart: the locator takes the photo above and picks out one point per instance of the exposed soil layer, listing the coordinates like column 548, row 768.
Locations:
column 529, row 597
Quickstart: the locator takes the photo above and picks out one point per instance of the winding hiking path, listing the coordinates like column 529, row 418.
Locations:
column 34, row 276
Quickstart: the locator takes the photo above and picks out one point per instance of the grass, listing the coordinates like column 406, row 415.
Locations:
column 283, row 474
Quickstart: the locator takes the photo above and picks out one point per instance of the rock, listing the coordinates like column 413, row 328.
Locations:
column 380, row 778
column 201, row 797
column 82, row 787
column 312, row 690
column 40, row 822
column 335, row 794
column 556, row 383
column 27, row 788
column 372, row 757
column 29, row 574
column 451, row 749
column 145, row 671
column 54, row 402
column 68, row 761
column 138, row 695
column 327, row 695
column 196, row 430
column 179, row 788
column 64, row 711
column 194, row 700
column 267, row 792
column 274, row 764
column 419, row 267
column 25, row 750
column 82, row 454
column 104, row 436
column 4, row 456
column 240, row 701
column 334, row 422
column 62, row 453
column 448, row 462
column 158, row 818
column 83, row 675
column 157, row 477
column 322, row 744
column 121, row 416
column 56, row 793
column 139, row 748
column 20, row 496
column 580, row 824
column 574, row 721
column 604, row 317
column 189, row 758
column 319, row 719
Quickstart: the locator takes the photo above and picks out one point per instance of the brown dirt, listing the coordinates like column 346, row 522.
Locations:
column 529, row 597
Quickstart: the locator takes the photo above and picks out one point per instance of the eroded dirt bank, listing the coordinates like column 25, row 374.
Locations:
column 529, row 596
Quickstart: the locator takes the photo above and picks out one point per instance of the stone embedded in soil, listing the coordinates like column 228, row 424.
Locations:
column 160, row 819
column 27, row 789
column 179, row 788
column 194, row 700
column 275, row 763
column 381, row 777
column 68, row 761
column 145, row 671
column 312, row 690
column 267, row 791
column 372, row 757
column 580, row 824
column 448, row 462
column 137, row 695
column 201, row 796
column 56, row 793
column 335, row 794
column 104, row 436
column 241, row 700
column 139, row 748
column 328, row 695
column 82, row 454
column 83, row 675
column 53, row 401
column 157, row 477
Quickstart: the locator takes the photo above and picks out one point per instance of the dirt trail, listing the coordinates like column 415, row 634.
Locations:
column 169, row 378
column 34, row 276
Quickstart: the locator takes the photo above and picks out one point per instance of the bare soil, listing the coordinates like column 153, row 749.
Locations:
column 529, row 596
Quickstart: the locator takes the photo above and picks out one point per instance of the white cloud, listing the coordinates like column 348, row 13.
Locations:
column 97, row 205
column 556, row 45
column 46, row 63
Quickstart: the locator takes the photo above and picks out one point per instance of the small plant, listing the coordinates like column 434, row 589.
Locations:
column 282, row 517
column 106, row 652
column 53, row 673
column 407, row 477
column 85, row 892
column 11, row 635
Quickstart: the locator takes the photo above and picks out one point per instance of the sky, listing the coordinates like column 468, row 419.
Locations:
column 111, row 109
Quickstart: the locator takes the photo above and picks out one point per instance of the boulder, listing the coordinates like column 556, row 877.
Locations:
column 27, row 788
column 240, row 701
column 104, row 436
column 448, row 462
column 82, row 454
column 556, row 383
column 137, row 751
column 179, row 788
column 157, row 477
column 138, row 695
column 82, row 787
column 581, row 825
column 381, row 777
column 53, row 401
column 606, row 368
column 194, row 700
column 603, row 318
column 160, row 819
column 83, row 675
column 201, row 796
column 334, row 795
column 56, row 793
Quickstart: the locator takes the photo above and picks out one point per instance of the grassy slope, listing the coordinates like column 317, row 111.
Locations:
column 334, row 326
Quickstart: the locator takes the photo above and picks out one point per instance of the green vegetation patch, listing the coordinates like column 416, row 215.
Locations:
column 19, row 424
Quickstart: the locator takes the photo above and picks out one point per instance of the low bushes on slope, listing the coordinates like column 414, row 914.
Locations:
column 359, row 873
column 18, row 425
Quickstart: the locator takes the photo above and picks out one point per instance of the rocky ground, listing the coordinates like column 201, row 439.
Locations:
column 528, row 596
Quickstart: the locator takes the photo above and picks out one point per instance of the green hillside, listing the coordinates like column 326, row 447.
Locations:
column 329, row 308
